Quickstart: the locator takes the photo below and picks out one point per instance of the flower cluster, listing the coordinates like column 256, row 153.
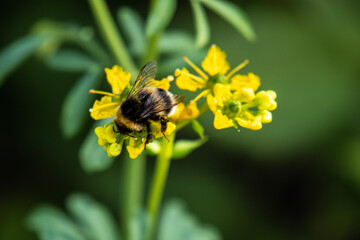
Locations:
column 231, row 97
column 107, row 106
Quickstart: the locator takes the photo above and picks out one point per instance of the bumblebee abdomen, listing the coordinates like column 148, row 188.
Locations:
column 132, row 109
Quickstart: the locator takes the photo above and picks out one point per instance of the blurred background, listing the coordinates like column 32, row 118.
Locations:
column 297, row 178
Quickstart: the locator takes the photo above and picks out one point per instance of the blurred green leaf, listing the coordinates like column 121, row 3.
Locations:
column 198, row 128
column 77, row 102
column 159, row 17
column 234, row 15
column 51, row 224
column 70, row 60
column 133, row 27
column 138, row 225
column 201, row 24
column 176, row 41
column 14, row 54
column 178, row 224
column 93, row 158
column 183, row 148
column 95, row 220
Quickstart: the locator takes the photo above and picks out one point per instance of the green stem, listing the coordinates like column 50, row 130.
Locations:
column 158, row 183
column 111, row 35
column 132, row 194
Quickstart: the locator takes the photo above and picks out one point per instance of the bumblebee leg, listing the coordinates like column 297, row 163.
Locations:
column 149, row 135
column 164, row 122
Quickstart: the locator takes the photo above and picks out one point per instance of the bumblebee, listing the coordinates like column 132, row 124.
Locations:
column 144, row 104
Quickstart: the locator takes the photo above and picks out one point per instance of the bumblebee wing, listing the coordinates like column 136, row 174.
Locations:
column 157, row 105
column 144, row 79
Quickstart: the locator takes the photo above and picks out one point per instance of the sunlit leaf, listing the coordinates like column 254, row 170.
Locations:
column 93, row 158
column 176, row 42
column 160, row 15
column 234, row 15
column 14, row 54
column 51, row 224
column 95, row 220
column 201, row 24
column 76, row 105
column 198, row 128
column 183, row 148
column 176, row 223
column 70, row 60
column 133, row 27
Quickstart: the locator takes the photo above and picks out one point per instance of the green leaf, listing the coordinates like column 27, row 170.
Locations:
column 159, row 17
column 201, row 24
column 198, row 128
column 76, row 105
column 138, row 224
column 133, row 27
column 182, row 148
column 14, row 54
column 177, row 223
column 95, row 220
column 93, row 158
column 70, row 60
column 50, row 224
column 176, row 41
column 234, row 15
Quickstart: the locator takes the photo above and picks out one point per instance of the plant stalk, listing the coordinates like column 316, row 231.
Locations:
column 158, row 184
column 112, row 36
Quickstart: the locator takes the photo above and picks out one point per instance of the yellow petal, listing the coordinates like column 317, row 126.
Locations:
column 186, row 81
column 244, row 95
column 266, row 100
column 222, row 121
column 266, row 116
column 117, row 78
column 222, row 93
column 109, row 134
column 190, row 111
column 163, row 83
column 211, row 101
column 245, row 81
column 247, row 120
column 104, row 108
column 170, row 127
column 215, row 61
column 176, row 115
column 113, row 149
column 135, row 147
column 99, row 131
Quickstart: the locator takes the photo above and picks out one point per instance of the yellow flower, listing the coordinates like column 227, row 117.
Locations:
column 107, row 107
column 135, row 146
column 216, row 71
column 231, row 97
column 241, row 107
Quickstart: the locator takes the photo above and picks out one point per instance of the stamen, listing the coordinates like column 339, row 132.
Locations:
column 92, row 91
column 202, row 94
column 198, row 70
column 240, row 66
column 193, row 77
